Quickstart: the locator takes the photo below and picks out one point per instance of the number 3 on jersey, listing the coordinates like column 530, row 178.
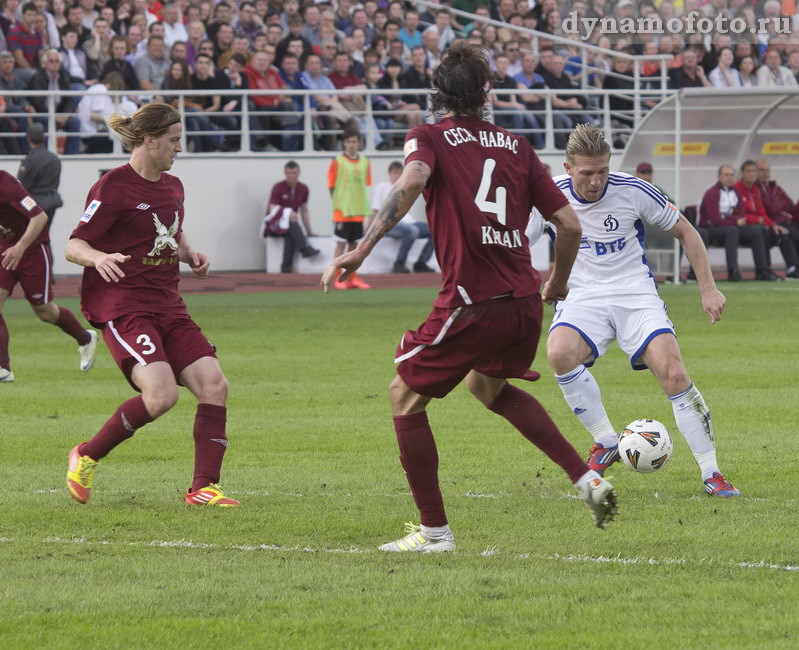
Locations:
column 148, row 347
column 498, row 206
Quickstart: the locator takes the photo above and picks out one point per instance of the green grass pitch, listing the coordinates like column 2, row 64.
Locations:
column 313, row 458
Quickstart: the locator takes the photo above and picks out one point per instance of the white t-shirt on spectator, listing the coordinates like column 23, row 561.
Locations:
column 97, row 100
column 174, row 34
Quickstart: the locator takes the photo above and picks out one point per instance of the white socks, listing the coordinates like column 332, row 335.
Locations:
column 434, row 532
column 693, row 421
column 584, row 399
column 582, row 483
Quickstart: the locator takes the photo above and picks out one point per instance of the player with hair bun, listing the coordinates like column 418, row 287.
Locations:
column 130, row 240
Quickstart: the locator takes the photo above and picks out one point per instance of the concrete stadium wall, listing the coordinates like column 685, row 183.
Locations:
column 226, row 199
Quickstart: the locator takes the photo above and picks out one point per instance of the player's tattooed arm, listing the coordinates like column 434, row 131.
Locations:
column 399, row 200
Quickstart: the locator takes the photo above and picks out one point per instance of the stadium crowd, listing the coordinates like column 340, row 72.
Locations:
column 153, row 48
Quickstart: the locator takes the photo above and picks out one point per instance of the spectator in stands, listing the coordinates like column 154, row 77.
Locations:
column 432, row 48
column 295, row 32
column 772, row 74
column 248, row 23
column 407, row 230
column 747, row 72
column 25, row 43
column 196, row 32
column 512, row 51
column 416, row 77
column 443, row 28
column 223, row 15
column 398, row 51
column 49, row 77
column 755, row 213
column 95, row 104
column 556, row 79
column 288, row 202
column 135, row 39
column 9, row 17
column 509, row 112
column 263, row 76
column 343, row 79
column 75, row 21
column 179, row 52
column 118, row 50
column 178, row 77
column 203, row 78
column 409, row 114
column 312, row 27
column 89, row 13
column 645, row 171
column 291, row 121
column 529, row 79
column 326, row 108
column 348, row 48
column 97, row 47
column 291, row 9
column 237, row 46
column 721, row 221
column 621, row 105
column 361, row 19
column 409, row 34
column 152, row 66
column 174, row 29
column 724, row 75
column 793, row 64
column 778, row 205
column 9, row 80
column 689, row 75
column 75, row 61
column 236, row 80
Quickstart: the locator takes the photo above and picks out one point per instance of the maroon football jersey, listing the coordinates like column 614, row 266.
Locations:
column 17, row 208
column 128, row 214
column 484, row 183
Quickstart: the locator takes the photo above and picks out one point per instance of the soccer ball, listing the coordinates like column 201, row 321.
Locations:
column 645, row 446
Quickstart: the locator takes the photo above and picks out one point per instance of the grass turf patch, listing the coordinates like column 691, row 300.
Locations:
column 314, row 460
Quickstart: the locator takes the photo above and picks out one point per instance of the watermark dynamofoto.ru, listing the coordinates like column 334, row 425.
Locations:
column 693, row 24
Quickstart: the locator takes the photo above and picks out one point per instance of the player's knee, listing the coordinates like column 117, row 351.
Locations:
column 215, row 391
column 160, row 401
column 561, row 357
column 47, row 313
column 677, row 376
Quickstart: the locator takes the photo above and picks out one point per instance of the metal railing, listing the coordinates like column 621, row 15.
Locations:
column 293, row 123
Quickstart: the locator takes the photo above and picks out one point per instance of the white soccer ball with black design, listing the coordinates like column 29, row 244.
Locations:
column 645, row 446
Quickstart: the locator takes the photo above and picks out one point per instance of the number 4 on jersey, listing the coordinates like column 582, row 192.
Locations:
column 497, row 207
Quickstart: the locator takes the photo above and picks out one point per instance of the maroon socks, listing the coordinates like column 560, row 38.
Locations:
column 210, row 444
column 67, row 322
column 527, row 414
column 4, row 360
column 122, row 425
column 419, row 458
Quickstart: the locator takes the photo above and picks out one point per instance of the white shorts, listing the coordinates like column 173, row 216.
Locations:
column 632, row 320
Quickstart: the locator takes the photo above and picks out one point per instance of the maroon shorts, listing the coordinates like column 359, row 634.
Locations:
column 143, row 338
column 32, row 274
column 496, row 337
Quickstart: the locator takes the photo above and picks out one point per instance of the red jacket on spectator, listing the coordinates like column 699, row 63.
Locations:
column 709, row 213
column 777, row 203
column 754, row 212
column 270, row 80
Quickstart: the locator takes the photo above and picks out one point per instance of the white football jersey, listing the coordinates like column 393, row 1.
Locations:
column 612, row 258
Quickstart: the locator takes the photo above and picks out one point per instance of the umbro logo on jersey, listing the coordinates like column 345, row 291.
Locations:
column 142, row 206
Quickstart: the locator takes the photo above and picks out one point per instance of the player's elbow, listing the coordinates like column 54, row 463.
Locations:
column 71, row 251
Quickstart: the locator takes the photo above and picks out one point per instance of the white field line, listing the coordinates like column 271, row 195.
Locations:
column 492, row 551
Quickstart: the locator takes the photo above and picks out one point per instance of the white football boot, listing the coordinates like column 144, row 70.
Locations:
column 417, row 542
column 6, row 376
column 87, row 351
column 601, row 498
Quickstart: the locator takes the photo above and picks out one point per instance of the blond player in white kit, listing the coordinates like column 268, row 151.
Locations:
column 613, row 296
